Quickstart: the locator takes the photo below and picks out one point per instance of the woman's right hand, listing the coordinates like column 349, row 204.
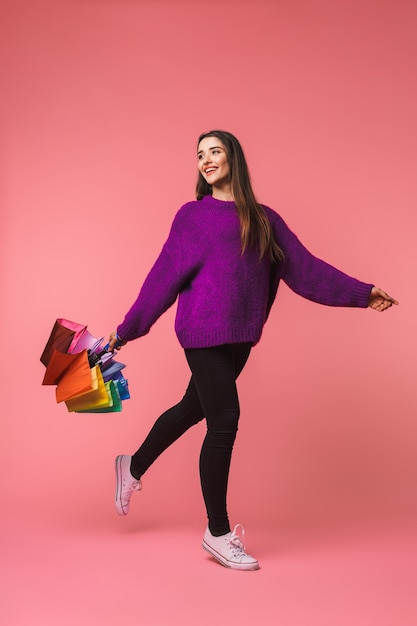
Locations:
column 115, row 343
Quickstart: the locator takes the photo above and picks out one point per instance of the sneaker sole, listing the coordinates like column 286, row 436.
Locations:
column 117, row 498
column 229, row 564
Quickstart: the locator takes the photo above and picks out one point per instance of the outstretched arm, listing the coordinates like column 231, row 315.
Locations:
column 380, row 300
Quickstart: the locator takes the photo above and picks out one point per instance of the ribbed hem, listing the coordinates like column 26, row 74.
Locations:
column 207, row 338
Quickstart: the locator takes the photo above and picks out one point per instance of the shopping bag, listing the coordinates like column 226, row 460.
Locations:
column 85, row 341
column 115, row 401
column 111, row 368
column 93, row 399
column 69, row 337
column 60, row 339
column 87, row 377
column 71, row 374
column 78, row 330
column 122, row 385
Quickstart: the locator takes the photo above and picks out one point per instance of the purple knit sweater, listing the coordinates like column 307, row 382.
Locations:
column 224, row 296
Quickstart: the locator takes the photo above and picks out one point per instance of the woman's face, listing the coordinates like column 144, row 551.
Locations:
column 212, row 162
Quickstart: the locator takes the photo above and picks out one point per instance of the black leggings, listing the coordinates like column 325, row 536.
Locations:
column 212, row 394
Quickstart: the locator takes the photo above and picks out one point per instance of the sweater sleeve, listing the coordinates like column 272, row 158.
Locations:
column 314, row 279
column 168, row 276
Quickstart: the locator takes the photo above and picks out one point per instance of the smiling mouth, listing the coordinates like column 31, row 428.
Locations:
column 210, row 170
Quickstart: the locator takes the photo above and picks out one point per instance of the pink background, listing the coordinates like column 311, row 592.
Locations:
column 103, row 102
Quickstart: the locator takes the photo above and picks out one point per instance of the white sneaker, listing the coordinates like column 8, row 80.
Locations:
column 126, row 484
column 229, row 550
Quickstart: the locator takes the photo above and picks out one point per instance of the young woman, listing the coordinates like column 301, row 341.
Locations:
column 224, row 258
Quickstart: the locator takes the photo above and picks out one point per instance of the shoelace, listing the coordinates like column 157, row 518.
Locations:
column 237, row 543
column 127, row 490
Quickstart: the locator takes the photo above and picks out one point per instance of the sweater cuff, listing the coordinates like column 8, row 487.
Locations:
column 119, row 336
column 362, row 293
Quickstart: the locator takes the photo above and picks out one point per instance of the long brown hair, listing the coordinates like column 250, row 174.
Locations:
column 255, row 228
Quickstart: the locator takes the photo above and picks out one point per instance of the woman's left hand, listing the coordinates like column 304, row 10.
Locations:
column 380, row 300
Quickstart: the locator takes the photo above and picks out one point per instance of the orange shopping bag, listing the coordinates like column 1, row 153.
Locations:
column 71, row 374
column 98, row 397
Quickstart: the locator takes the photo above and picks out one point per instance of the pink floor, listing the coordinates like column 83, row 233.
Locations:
column 114, row 571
